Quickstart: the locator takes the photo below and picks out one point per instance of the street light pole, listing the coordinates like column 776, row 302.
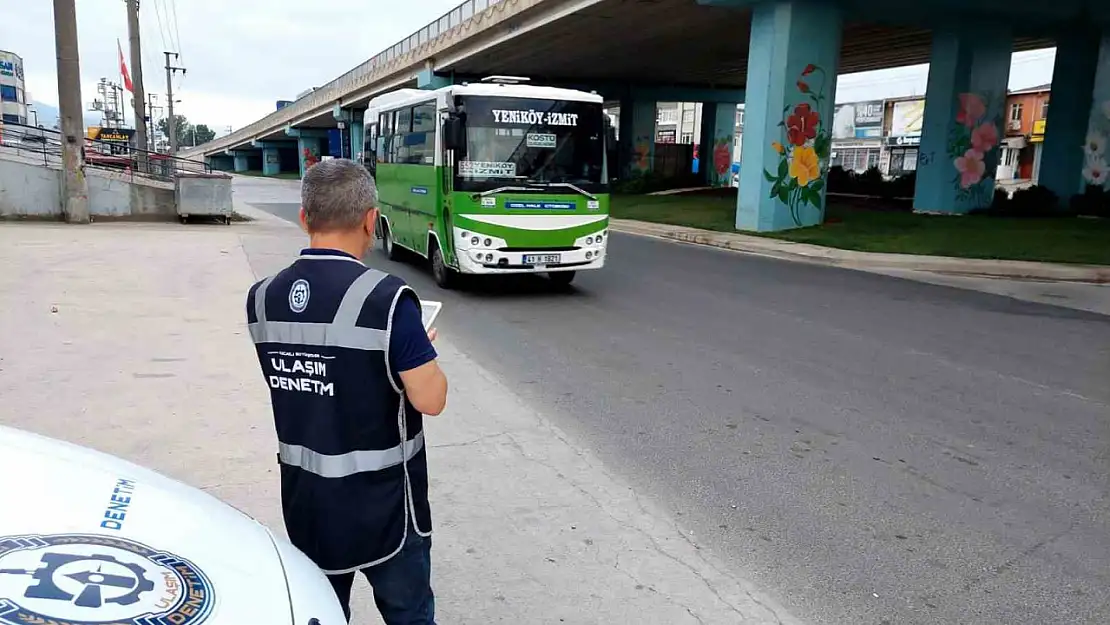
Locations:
column 75, row 189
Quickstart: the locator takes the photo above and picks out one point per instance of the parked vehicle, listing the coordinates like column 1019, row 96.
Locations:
column 90, row 538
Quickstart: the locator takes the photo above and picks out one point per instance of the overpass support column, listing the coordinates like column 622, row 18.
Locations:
column 1080, row 109
column 718, row 134
column 220, row 162
column 308, row 145
column 969, row 69
column 428, row 79
column 271, row 162
column 350, row 121
column 793, row 58
column 271, row 155
column 241, row 160
column 637, row 136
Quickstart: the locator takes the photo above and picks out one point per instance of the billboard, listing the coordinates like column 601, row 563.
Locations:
column 906, row 118
column 858, row 120
column 11, row 65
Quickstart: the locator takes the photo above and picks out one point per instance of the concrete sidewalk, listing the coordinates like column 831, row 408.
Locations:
column 787, row 250
column 131, row 339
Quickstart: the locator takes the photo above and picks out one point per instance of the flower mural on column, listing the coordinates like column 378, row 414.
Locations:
column 970, row 144
column 804, row 149
column 1096, row 171
column 722, row 158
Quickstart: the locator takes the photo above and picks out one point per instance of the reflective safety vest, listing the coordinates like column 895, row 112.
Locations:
column 354, row 473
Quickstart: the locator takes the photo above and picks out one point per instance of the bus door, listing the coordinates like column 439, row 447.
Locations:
column 447, row 184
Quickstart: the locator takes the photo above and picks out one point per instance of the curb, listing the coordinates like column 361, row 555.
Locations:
column 804, row 252
column 258, row 215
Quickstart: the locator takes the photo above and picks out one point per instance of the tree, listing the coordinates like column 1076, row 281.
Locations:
column 181, row 125
column 203, row 133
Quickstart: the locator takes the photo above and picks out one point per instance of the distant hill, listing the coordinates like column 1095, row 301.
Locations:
column 48, row 115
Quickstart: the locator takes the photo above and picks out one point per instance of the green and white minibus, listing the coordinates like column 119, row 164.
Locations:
column 495, row 177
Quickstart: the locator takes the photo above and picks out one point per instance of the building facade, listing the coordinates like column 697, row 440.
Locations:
column 1025, row 114
column 857, row 135
column 677, row 122
column 13, row 97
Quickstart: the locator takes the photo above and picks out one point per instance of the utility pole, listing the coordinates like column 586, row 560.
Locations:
column 75, row 189
column 171, row 122
column 138, row 100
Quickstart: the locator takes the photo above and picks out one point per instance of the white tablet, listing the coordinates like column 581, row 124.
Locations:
column 429, row 311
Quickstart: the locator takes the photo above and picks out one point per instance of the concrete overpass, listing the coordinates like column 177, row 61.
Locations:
column 638, row 52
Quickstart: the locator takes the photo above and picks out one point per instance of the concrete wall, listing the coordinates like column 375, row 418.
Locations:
column 29, row 189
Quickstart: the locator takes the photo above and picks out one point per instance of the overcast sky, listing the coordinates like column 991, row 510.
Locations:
column 243, row 55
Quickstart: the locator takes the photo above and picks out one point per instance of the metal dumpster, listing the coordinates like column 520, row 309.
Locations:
column 203, row 195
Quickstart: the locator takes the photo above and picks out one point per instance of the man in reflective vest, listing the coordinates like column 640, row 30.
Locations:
column 351, row 372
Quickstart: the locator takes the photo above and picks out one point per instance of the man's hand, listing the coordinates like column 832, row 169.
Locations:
column 433, row 334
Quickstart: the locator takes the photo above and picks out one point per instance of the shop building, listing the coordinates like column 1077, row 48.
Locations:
column 901, row 135
column 857, row 135
column 13, row 96
column 1024, row 124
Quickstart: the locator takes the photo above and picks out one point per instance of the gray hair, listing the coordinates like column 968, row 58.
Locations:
column 336, row 194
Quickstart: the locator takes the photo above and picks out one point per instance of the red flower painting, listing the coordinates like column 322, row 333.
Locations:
column 803, row 150
column 802, row 125
column 722, row 157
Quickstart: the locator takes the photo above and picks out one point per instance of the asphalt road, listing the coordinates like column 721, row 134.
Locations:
column 865, row 448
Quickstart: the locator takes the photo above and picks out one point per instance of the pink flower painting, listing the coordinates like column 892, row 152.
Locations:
column 984, row 137
column 972, row 109
column 972, row 145
column 971, row 168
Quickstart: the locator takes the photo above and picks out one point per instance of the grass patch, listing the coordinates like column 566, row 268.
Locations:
column 285, row 175
column 1062, row 240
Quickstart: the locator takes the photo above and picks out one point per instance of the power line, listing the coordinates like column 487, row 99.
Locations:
column 161, row 29
column 177, row 33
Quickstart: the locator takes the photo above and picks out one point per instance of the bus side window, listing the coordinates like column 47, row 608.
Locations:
column 401, row 135
column 423, row 142
column 385, row 134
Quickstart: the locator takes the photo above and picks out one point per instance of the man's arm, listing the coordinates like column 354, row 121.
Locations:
column 412, row 356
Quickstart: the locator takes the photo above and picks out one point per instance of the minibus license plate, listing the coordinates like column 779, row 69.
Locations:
column 541, row 259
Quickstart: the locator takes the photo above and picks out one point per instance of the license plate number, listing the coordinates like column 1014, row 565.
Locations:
column 541, row 259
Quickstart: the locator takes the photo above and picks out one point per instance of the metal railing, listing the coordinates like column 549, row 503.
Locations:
column 45, row 146
column 349, row 81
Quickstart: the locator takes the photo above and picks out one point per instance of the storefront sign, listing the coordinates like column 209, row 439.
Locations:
column 113, row 135
column 532, row 117
column 1038, row 132
column 904, row 141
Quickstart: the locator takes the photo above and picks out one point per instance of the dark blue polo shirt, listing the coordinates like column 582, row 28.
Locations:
column 409, row 346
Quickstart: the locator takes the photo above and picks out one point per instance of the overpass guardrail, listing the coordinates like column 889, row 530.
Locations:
column 353, row 79
column 45, row 145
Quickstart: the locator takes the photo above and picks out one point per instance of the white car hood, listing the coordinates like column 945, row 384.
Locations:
column 87, row 537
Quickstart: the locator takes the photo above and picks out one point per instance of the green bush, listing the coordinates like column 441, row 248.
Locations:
column 871, row 183
column 1034, row 201
column 1093, row 202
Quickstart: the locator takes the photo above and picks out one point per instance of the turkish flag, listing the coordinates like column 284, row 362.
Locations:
column 123, row 70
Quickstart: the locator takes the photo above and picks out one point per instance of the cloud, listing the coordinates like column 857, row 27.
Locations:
column 240, row 57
